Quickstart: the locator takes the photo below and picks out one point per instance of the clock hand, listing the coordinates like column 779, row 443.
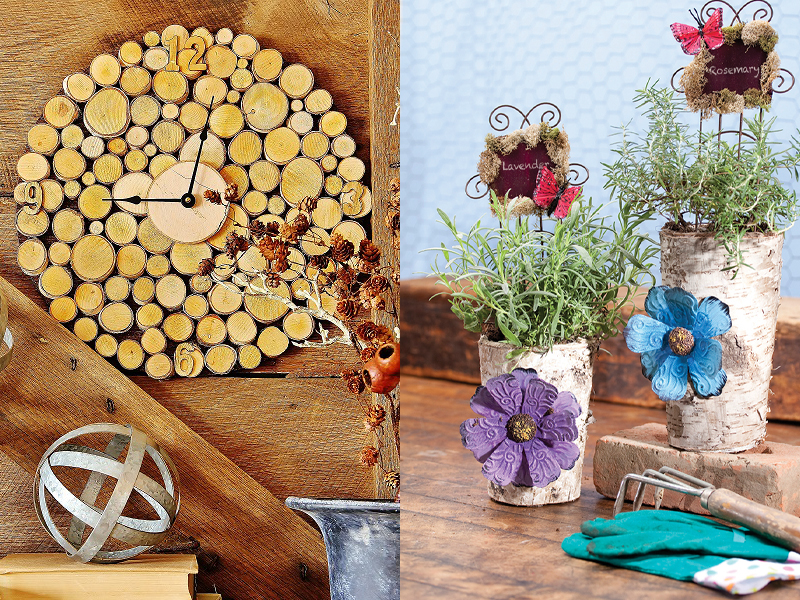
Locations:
column 188, row 199
column 139, row 199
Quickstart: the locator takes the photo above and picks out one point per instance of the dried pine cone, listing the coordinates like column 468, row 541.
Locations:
column 392, row 479
column 378, row 303
column 369, row 256
column 281, row 261
column 206, row 267
column 367, row 353
column 370, row 456
column 365, row 295
column 341, row 249
column 345, row 274
column 234, row 244
column 212, row 196
column 289, row 233
column 231, row 192
column 319, row 261
column 258, row 229
column 301, row 224
column 273, row 228
column 307, row 204
column 347, row 308
column 273, row 279
column 341, row 291
column 369, row 331
column 393, row 221
column 270, row 248
column 354, row 381
column 376, row 415
column 379, row 283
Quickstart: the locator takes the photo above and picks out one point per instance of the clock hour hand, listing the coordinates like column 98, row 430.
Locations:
column 188, row 199
column 139, row 199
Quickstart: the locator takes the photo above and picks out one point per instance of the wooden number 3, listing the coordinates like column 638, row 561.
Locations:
column 188, row 58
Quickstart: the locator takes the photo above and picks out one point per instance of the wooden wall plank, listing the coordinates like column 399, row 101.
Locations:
column 262, row 544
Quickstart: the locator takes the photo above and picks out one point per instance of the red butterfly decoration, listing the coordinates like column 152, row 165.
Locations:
column 691, row 37
column 554, row 198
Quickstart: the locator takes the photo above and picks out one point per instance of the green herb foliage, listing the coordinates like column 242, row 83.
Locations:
column 704, row 182
column 544, row 287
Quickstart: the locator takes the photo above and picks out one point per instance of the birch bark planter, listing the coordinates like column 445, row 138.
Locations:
column 568, row 367
column 736, row 420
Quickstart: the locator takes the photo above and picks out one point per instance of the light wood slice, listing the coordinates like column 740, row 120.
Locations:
column 356, row 199
column 86, row 329
column 211, row 330
column 186, row 258
column 298, row 326
column 90, row 298
column 296, row 105
column 236, row 222
column 245, row 45
column 251, row 261
column 60, row 253
column 168, row 136
column 116, row 318
column 32, row 256
column 129, row 186
column 63, row 309
column 150, row 150
column 135, row 81
column 333, row 185
column 267, row 65
column 178, row 327
column 351, row 230
column 117, row 288
column 297, row 265
column 171, row 86
column 157, row 266
column 43, row 139
column 130, row 355
column 149, row 315
column 200, row 284
column 281, row 145
column 105, row 69
column 130, row 53
column 241, row 79
column 153, row 340
column 267, row 310
column 155, row 59
column 221, row 359
column 236, row 174
column 32, row 225
column 245, row 148
column 319, row 101
column 196, row 306
column 137, row 136
column 160, row 163
column 108, row 169
column 297, row 81
column 351, row 168
column 33, row 167
column 68, row 225
column 106, row 345
column 276, row 205
column 272, row 342
column 301, row 178
column 333, row 123
column 302, row 122
column 121, row 228
column 315, row 145
column 170, row 111
column 300, row 287
column 265, row 107
column 233, row 96
column 193, row 116
column 60, row 111
column 316, row 241
column 92, row 147
column 213, row 153
column 328, row 213
column 71, row 136
column 171, row 292
column 95, row 202
column 88, row 178
column 255, row 202
column 68, row 163
column 136, row 160
column 264, row 176
column 131, row 260
column 249, row 356
column 117, row 146
column 174, row 31
column 189, row 360
column 328, row 303
column 145, row 111
column 209, row 88
column 107, row 113
column 96, row 227
column 204, row 33
column 343, row 146
column 221, row 61
column 225, row 298
column 242, row 328
column 329, row 163
column 144, row 290
column 79, row 86
column 159, row 366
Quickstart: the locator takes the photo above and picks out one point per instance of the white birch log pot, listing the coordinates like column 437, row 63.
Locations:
column 569, row 367
column 736, row 420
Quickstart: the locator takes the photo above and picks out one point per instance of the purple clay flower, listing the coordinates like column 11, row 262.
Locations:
column 528, row 430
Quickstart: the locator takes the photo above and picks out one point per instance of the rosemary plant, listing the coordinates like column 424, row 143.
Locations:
column 543, row 287
column 703, row 182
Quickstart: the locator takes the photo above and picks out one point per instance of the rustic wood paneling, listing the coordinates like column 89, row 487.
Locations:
column 262, row 544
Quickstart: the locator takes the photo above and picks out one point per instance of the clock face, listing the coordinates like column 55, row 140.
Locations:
column 222, row 123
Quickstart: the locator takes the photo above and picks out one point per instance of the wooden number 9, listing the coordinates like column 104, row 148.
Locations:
column 33, row 197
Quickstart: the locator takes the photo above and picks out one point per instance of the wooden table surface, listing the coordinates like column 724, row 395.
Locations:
column 456, row 543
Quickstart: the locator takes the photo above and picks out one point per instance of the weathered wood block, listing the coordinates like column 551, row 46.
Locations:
column 768, row 474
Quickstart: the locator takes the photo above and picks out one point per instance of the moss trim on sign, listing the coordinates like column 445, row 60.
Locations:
column 755, row 33
column 556, row 144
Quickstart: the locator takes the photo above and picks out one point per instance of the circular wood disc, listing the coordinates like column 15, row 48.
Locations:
column 158, row 265
column 144, row 290
column 130, row 53
column 160, row 163
column 131, row 260
column 200, row 284
column 116, row 317
column 301, row 178
column 60, row 111
column 86, row 329
column 316, row 241
column 186, row 258
column 245, row 45
column 145, row 111
column 95, row 202
column 32, row 256
column 121, row 228
column 108, row 168
column 343, row 146
column 221, row 61
column 32, row 225
column 267, row 310
column 60, row 253
column 155, row 58
column 328, row 213
column 159, row 366
column 193, row 116
column 245, row 148
column 267, row 65
column 171, row 292
column 242, row 328
column 209, row 88
column 71, row 136
column 315, row 145
column 225, row 298
column 213, row 153
column 333, row 185
column 43, row 139
column 319, row 101
column 221, row 359
column 211, row 330
column 196, row 306
column 153, row 340
column 149, row 315
column 178, row 327
column 67, row 225
column 170, row 86
column 272, row 342
column 92, row 258
column 130, row 355
column 135, row 81
column 302, row 122
column 281, row 145
column 151, row 238
column 168, row 136
column 107, row 113
column 55, row 281
column 106, row 345
column 63, row 309
column 90, row 298
column 241, row 80
column 68, row 163
column 265, row 107
column 33, row 167
column 105, row 69
column 264, row 176
column 249, row 356
column 297, row 81
column 298, row 326
column 328, row 163
column 255, row 202
column 333, row 123
column 79, row 86
column 117, row 288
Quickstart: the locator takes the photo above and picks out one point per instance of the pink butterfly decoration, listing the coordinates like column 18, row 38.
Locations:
column 691, row 37
column 555, row 199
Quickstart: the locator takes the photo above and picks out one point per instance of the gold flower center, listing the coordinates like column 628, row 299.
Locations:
column 521, row 428
column 681, row 341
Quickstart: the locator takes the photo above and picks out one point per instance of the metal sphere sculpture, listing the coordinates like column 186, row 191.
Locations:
column 108, row 522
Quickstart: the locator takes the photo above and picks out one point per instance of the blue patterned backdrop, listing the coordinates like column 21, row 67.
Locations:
column 462, row 58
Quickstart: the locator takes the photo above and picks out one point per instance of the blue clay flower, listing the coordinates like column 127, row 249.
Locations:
column 675, row 341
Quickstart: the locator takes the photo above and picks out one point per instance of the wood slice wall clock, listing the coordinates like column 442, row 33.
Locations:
column 142, row 169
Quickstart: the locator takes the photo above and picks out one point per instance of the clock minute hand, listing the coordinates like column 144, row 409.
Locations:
column 139, row 199
column 188, row 199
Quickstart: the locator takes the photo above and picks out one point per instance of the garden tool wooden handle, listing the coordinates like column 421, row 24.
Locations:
column 780, row 527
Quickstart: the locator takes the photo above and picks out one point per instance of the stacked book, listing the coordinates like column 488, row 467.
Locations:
column 57, row 577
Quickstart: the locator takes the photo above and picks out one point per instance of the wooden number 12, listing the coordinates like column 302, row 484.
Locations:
column 196, row 45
